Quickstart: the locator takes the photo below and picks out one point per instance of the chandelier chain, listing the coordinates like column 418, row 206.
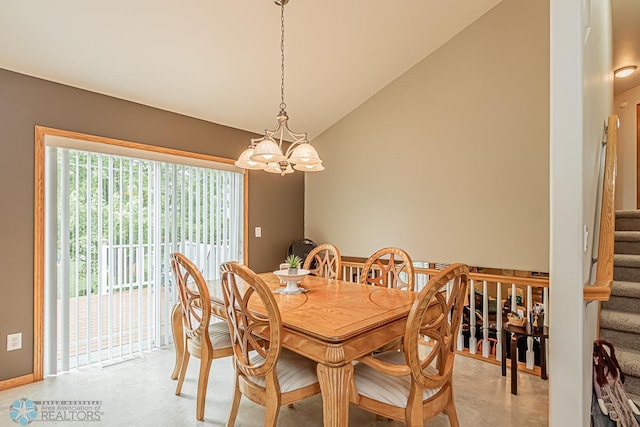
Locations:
column 283, row 106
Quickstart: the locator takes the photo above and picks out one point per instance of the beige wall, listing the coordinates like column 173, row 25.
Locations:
column 450, row 161
column 626, row 184
column 275, row 203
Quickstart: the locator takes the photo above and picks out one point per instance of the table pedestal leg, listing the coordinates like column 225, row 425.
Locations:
column 543, row 358
column 335, row 383
column 504, row 353
column 178, row 338
column 514, row 364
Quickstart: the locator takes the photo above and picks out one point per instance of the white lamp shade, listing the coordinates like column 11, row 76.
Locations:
column 309, row 168
column 275, row 168
column 305, row 154
column 245, row 162
column 267, row 151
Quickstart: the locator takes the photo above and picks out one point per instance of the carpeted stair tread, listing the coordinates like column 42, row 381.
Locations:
column 627, row 236
column 627, row 220
column 632, row 384
column 625, row 304
column 625, row 260
column 626, row 267
column 625, row 297
column 624, row 247
column 628, row 214
column 629, row 361
column 628, row 340
column 620, row 315
column 621, row 321
column 626, row 289
column 626, row 274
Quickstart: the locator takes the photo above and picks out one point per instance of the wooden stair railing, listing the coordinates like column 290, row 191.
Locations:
column 600, row 290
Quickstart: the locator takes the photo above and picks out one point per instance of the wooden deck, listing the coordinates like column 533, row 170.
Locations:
column 117, row 324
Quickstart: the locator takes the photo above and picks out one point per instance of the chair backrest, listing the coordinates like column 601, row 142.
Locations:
column 194, row 297
column 324, row 261
column 244, row 292
column 436, row 314
column 389, row 267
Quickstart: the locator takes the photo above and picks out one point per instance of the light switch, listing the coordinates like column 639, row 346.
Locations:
column 258, row 231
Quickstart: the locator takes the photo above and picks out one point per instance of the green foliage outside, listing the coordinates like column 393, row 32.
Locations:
column 130, row 186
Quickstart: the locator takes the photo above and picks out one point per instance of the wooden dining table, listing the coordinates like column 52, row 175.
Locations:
column 333, row 323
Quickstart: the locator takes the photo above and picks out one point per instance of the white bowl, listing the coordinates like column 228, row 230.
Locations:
column 291, row 280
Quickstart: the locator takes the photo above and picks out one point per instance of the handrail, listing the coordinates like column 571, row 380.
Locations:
column 536, row 282
column 601, row 288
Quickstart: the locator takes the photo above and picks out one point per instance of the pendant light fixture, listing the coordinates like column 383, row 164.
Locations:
column 625, row 71
column 265, row 153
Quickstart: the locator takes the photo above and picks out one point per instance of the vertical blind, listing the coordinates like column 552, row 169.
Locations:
column 118, row 219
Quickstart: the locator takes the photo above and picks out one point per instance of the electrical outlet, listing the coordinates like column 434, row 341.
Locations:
column 14, row 341
column 258, row 231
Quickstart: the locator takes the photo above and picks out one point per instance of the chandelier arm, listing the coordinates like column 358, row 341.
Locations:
column 292, row 147
column 296, row 135
column 299, row 139
column 255, row 141
column 274, row 134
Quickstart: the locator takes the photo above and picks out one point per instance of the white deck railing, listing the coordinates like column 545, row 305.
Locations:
column 490, row 298
column 126, row 266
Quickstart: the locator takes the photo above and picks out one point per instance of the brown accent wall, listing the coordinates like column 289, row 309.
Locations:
column 275, row 203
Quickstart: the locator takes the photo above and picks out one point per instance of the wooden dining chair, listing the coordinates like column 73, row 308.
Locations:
column 326, row 262
column 266, row 373
column 203, row 340
column 389, row 267
column 417, row 383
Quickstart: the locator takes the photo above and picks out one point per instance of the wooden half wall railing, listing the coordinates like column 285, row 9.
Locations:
column 490, row 297
column 600, row 290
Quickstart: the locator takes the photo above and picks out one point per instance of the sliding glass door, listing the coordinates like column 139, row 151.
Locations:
column 117, row 220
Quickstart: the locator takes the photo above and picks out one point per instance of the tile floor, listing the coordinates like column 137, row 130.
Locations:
column 140, row 393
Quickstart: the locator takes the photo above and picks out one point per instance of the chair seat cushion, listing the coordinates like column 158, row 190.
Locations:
column 386, row 388
column 294, row 371
column 219, row 335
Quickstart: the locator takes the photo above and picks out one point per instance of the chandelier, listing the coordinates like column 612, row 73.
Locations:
column 265, row 153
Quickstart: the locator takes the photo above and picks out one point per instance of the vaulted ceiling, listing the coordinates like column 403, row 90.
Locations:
column 220, row 60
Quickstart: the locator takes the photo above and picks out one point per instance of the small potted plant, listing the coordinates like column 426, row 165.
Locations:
column 294, row 262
